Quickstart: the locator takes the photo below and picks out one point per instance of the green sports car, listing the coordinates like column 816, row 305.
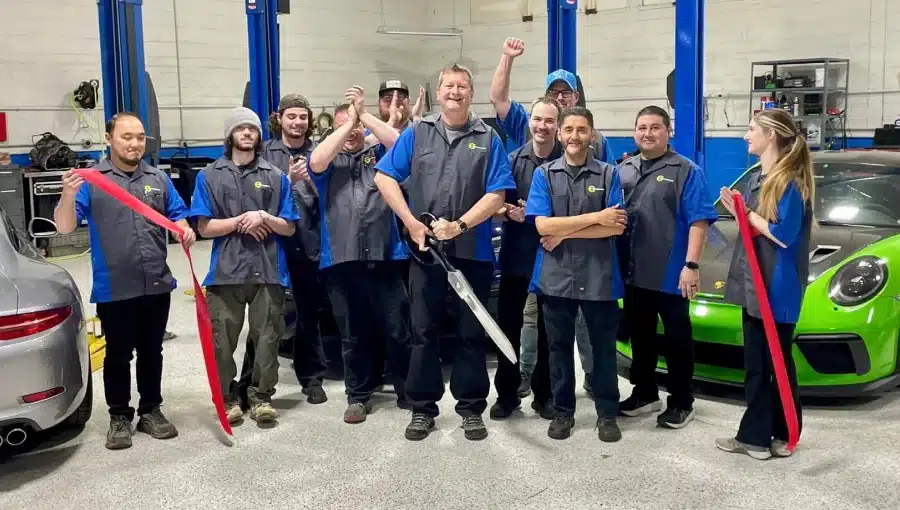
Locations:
column 847, row 338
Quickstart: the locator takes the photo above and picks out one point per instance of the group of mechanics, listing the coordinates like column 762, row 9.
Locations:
column 330, row 220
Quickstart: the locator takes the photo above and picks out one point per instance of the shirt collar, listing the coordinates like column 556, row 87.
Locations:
column 106, row 166
column 528, row 152
column 590, row 165
column 278, row 144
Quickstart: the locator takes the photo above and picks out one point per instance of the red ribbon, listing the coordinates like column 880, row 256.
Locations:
column 765, row 309
column 204, row 327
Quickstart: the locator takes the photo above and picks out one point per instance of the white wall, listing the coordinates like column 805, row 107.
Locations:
column 626, row 50
column 199, row 64
column 625, row 53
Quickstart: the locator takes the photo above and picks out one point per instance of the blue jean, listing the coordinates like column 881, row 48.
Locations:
column 528, row 354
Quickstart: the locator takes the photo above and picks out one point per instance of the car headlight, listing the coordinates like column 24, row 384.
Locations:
column 858, row 280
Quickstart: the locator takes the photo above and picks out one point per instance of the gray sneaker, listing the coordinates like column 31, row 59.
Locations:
column 156, row 424
column 732, row 445
column 474, row 427
column 357, row 411
column 779, row 448
column 263, row 413
column 119, row 435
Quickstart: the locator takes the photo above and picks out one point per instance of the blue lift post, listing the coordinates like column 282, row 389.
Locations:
column 262, row 31
column 553, row 36
column 689, row 137
column 568, row 23
column 122, row 58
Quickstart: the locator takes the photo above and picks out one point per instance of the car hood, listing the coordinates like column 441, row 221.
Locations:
column 829, row 246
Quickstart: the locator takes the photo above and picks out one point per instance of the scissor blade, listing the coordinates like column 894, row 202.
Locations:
column 464, row 291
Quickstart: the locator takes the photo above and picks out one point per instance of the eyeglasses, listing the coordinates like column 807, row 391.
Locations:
column 566, row 94
column 389, row 96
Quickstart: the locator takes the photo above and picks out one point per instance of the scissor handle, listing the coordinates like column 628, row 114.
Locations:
column 434, row 255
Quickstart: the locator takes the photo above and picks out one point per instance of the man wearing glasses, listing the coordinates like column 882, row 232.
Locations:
column 511, row 115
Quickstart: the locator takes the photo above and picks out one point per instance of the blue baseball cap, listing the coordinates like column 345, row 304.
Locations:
column 564, row 76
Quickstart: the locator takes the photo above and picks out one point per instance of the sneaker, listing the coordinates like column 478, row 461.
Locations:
column 524, row 386
column 156, row 424
column 499, row 412
column 561, row 427
column 732, row 445
column 587, row 386
column 263, row 413
column 315, row 395
column 544, row 410
column 633, row 406
column 474, row 427
column 357, row 411
column 608, row 430
column 419, row 427
column 119, row 435
column 779, row 448
column 234, row 412
column 674, row 418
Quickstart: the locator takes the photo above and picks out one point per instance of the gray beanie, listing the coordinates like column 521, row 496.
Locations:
column 241, row 116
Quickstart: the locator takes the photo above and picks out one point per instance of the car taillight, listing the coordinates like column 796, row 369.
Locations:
column 42, row 395
column 27, row 324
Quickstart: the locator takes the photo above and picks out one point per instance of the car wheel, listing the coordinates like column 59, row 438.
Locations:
column 83, row 413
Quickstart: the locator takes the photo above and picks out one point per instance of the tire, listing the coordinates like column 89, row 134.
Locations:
column 83, row 413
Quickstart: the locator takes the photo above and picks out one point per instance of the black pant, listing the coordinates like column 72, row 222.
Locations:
column 380, row 365
column 130, row 325
column 510, row 304
column 764, row 417
column 602, row 320
column 308, row 353
column 645, row 308
column 469, row 382
column 370, row 303
column 540, row 378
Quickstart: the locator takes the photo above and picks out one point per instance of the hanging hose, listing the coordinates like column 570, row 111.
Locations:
column 324, row 124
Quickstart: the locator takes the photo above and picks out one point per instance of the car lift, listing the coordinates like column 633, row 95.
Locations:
column 689, row 51
column 263, row 41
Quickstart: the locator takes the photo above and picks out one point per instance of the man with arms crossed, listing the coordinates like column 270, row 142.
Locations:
column 243, row 203
column 575, row 203
column 132, row 284
column 454, row 167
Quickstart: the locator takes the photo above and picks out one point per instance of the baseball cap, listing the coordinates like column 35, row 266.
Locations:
column 292, row 101
column 393, row 85
column 564, row 76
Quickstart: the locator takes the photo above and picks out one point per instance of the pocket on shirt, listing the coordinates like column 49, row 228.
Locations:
column 560, row 205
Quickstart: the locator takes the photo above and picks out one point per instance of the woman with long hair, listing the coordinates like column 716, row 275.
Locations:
column 779, row 199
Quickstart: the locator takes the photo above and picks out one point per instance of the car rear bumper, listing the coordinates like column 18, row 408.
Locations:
column 59, row 358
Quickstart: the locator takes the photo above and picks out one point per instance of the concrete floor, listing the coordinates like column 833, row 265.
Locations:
column 847, row 456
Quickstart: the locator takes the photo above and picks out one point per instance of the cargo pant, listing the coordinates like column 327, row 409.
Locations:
column 264, row 304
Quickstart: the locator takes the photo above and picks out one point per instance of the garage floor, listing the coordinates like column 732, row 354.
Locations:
column 847, row 457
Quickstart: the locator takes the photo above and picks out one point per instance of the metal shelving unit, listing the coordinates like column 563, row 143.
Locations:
column 820, row 87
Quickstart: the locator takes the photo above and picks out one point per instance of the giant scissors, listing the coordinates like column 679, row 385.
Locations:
column 435, row 255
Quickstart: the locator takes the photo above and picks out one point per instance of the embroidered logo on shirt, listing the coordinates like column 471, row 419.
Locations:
column 259, row 185
column 369, row 160
column 593, row 189
column 662, row 178
column 473, row 146
column 719, row 284
column 148, row 189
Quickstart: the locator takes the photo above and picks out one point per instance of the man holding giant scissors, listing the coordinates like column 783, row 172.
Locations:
column 455, row 168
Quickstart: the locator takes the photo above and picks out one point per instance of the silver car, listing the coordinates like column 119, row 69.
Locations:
column 45, row 372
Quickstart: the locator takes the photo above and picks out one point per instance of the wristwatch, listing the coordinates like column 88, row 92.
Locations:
column 462, row 226
column 692, row 265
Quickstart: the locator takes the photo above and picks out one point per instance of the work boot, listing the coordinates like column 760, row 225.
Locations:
column 474, row 427
column 315, row 395
column 608, row 430
column 499, row 411
column 419, row 427
column 561, row 427
column 156, row 424
column 545, row 410
column 356, row 412
column 234, row 412
column 119, row 435
column 263, row 413
column 525, row 386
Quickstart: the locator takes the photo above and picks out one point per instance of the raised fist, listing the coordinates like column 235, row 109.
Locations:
column 513, row 47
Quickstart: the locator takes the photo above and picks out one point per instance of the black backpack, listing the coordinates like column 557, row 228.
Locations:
column 51, row 153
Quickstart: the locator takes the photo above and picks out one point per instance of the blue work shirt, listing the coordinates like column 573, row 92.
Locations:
column 358, row 224
column 663, row 197
column 785, row 271
column 128, row 251
column 446, row 178
column 305, row 241
column 582, row 269
column 520, row 241
column 517, row 134
column 222, row 191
